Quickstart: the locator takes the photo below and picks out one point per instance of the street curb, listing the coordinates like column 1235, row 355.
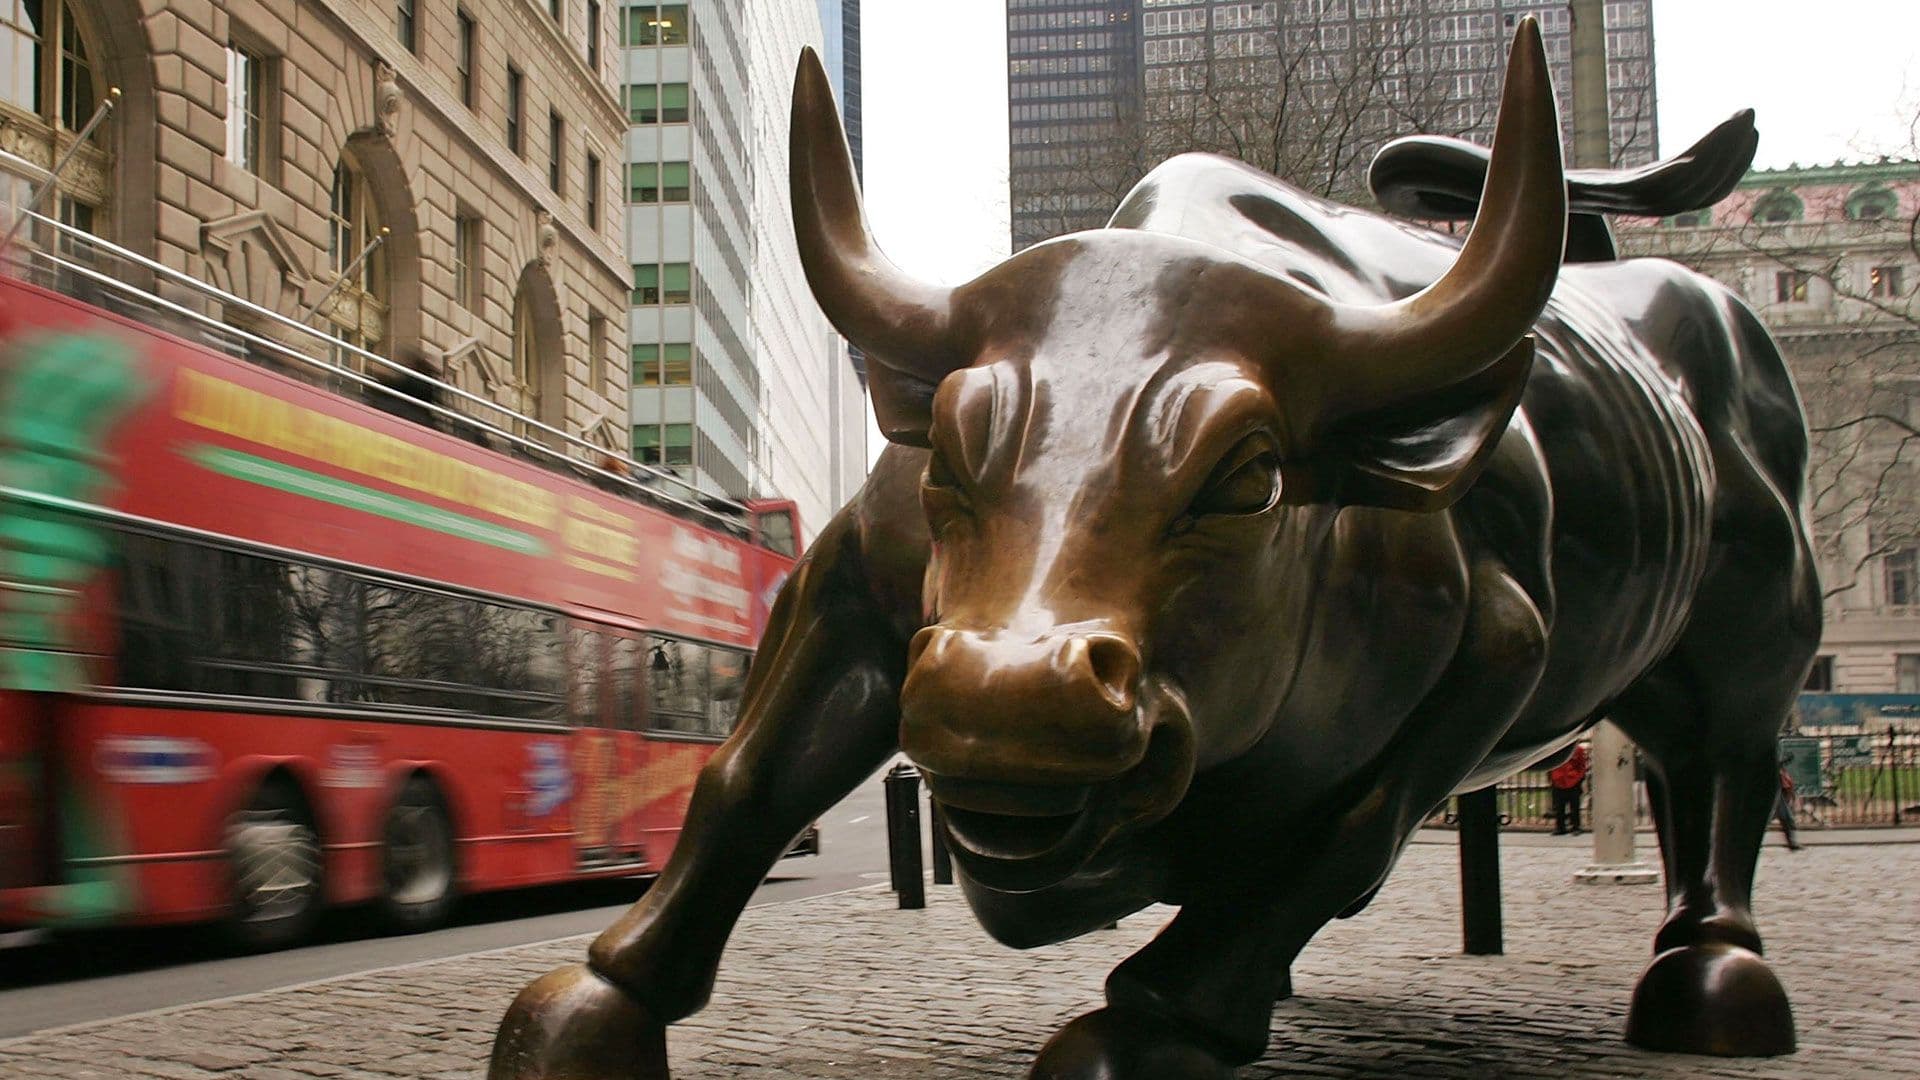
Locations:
column 1809, row 838
column 165, row 1010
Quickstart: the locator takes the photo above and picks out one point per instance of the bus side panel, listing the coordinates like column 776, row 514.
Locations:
column 665, row 785
column 162, row 784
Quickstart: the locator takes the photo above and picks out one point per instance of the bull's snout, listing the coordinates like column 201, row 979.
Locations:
column 1054, row 709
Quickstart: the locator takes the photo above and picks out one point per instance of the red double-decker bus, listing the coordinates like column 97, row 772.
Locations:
column 266, row 647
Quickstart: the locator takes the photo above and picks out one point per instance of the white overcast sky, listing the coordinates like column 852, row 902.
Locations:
column 1827, row 78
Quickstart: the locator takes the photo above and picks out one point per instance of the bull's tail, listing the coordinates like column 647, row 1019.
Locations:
column 1435, row 178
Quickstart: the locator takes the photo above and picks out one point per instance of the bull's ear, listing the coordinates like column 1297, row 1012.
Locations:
column 902, row 404
column 1423, row 456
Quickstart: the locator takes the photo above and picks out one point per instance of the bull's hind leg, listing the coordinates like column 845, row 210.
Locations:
column 820, row 714
column 1707, row 718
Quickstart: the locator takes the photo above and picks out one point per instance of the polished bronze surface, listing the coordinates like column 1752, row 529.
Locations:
column 1218, row 547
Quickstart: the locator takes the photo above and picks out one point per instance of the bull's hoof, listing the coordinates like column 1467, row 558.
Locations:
column 1124, row 1044
column 571, row 1024
column 1711, row 999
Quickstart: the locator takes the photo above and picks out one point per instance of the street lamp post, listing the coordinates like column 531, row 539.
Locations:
column 1614, row 861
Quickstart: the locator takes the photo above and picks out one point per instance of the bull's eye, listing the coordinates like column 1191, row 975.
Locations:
column 1248, row 487
column 939, row 474
column 941, row 495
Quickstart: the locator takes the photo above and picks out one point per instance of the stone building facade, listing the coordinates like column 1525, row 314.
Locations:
column 264, row 145
column 1826, row 257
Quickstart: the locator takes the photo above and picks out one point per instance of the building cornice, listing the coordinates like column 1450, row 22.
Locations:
column 1837, row 173
column 576, row 59
column 423, row 83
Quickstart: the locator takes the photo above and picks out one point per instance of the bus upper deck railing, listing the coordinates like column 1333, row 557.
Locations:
column 78, row 273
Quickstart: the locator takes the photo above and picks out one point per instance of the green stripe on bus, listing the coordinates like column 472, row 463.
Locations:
column 64, row 393
column 297, row 481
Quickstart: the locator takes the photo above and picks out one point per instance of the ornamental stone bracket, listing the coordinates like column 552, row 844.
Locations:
column 387, row 98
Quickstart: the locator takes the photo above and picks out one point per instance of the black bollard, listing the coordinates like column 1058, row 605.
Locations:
column 942, row 859
column 903, row 835
column 1893, row 772
column 1480, row 873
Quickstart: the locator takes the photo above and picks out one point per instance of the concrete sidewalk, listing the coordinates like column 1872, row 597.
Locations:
column 846, row 986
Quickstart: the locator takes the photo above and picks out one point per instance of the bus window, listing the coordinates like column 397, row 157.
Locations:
column 677, row 671
column 522, row 656
column 776, row 532
column 587, row 660
column 415, row 650
column 628, row 673
column 155, row 621
column 199, row 619
column 729, row 680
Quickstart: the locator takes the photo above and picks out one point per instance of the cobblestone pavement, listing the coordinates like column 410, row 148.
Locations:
column 846, row 986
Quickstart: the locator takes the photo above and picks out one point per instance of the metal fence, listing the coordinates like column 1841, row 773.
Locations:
column 1847, row 779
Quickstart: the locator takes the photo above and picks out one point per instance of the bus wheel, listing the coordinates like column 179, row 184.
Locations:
column 274, row 853
column 417, row 859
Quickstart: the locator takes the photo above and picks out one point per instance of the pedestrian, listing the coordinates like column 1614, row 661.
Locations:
column 1783, row 810
column 1568, row 778
column 413, row 392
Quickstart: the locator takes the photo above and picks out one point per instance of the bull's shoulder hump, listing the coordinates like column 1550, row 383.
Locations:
column 1353, row 255
column 1184, row 183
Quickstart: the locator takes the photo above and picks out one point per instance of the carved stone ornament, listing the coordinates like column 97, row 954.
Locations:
column 250, row 256
column 387, row 98
column 88, row 176
column 603, row 431
column 494, row 373
column 460, row 355
column 1217, row 547
column 546, row 237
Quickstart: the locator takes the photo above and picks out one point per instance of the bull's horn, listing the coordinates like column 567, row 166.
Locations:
column 1490, row 297
column 902, row 323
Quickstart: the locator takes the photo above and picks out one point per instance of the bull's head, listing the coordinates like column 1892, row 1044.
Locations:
column 1138, row 445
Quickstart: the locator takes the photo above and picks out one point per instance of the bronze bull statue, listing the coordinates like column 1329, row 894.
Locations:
column 1219, row 546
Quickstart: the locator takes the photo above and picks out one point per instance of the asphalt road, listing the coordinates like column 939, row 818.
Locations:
column 94, row 976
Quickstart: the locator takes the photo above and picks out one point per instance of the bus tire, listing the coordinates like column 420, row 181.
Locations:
column 416, row 858
column 273, row 853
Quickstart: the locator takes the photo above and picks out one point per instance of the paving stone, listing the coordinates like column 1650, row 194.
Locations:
column 845, row 986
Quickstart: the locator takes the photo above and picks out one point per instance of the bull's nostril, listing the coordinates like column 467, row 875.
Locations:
column 1115, row 664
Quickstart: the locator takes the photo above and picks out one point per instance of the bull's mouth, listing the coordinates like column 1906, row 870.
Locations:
column 1003, row 836
column 1014, row 837
column 1011, row 853
column 1008, row 822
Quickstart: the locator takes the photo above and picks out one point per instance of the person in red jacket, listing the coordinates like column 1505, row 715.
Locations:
column 1567, row 779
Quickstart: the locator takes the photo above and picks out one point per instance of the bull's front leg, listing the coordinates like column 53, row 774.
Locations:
column 1198, row 999
column 820, row 714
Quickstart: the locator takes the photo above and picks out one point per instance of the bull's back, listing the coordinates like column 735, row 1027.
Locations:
column 1664, row 418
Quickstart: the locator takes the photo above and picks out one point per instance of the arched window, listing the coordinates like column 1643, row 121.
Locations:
column 360, row 308
column 538, row 371
column 1872, row 203
column 1692, row 219
column 49, row 89
column 1777, row 206
column 526, row 353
